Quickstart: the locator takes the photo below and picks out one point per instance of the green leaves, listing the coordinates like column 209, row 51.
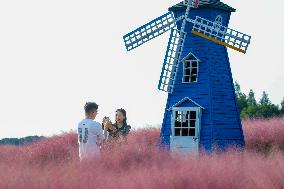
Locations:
column 249, row 108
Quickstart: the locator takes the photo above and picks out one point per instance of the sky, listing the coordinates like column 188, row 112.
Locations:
column 57, row 54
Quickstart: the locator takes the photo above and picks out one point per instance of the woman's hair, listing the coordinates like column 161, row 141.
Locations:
column 121, row 110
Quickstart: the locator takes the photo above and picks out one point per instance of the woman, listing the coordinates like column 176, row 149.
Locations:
column 119, row 129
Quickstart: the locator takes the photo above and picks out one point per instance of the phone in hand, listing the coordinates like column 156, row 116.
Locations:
column 107, row 119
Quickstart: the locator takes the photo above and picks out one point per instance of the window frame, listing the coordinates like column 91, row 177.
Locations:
column 219, row 19
column 190, row 61
column 197, row 120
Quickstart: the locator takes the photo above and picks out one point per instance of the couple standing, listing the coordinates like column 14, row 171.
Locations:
column 92, row 135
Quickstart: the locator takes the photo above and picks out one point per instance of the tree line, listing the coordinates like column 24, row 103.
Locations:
column 250, row 108
column 21, row 141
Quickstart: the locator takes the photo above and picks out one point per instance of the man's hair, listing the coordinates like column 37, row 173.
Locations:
column 90, row 107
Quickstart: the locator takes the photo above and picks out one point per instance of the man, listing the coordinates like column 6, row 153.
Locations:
column 90, row 133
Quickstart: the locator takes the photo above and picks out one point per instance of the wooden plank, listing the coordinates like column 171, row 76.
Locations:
column 218, row 41
column 227, row 126
column 225, row 121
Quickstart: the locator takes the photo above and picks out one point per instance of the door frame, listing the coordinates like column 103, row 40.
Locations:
column 198, row 122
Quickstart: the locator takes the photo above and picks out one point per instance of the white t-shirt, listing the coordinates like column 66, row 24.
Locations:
column 88, row 133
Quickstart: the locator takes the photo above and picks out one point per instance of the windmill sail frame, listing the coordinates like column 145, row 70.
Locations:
column 172, row 58
column 173, row 55
column 220, row 34
column 149, row 31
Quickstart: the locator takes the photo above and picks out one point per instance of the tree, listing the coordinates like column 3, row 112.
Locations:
column 251, row 98
column 266, row 108
column 21, row 141
column 264, row 99
column 282, row 106
column 250, row 111
column 269, row 110
column 237, row 88
column 249, row 108
column 241, row 97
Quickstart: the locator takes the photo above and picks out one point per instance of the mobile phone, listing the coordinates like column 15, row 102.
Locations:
column 107, row 119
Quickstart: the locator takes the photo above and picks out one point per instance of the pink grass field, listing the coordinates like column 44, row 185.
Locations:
column 53, row 163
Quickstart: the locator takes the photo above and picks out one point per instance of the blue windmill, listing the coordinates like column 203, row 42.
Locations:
column 201, row 110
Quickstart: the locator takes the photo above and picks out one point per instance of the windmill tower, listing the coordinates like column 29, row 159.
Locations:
column 201, row 110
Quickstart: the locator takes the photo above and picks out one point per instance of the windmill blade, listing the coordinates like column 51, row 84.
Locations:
column 173, row 54
column 174, row 49
column 221, row 35
column 149, row 31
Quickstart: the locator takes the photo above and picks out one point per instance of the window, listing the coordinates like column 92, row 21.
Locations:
column 185, row 123
column 190, row 70
column 219, row 20
column 218, row 23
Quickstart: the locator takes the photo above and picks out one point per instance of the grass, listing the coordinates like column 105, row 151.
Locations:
column 53, row 163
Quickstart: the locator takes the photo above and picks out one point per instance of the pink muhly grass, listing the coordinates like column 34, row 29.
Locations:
column 138, row 163
column 264, row 135
column 56, row 149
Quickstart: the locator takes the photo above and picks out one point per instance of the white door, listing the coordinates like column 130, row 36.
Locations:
column 185, row 130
